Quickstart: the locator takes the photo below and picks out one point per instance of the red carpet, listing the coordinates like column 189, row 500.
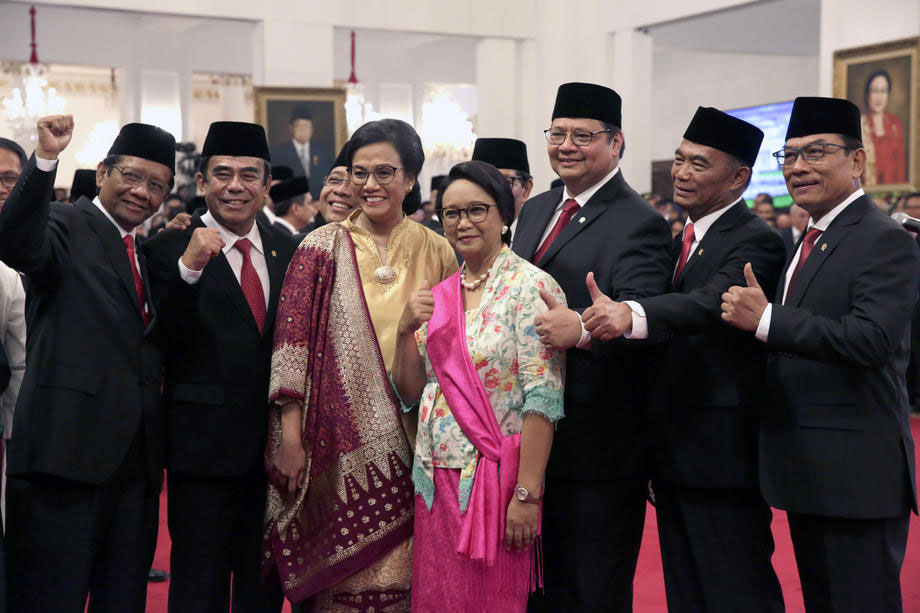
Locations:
column 649, row 584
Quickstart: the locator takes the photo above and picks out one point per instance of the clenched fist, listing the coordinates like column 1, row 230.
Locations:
column 54, row 134
column 206, row 243
column 418, row 309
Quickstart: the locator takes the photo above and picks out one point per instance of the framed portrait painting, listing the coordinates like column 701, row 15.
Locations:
column 884, row 82
column 305, row 129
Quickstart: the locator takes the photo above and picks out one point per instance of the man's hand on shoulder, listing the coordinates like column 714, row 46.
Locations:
column 54, row 134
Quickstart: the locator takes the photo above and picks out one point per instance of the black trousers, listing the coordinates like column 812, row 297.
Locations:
column 592, row 531
column 716, row 546
column 215, row 524
column 851, row 565
column 67, row 539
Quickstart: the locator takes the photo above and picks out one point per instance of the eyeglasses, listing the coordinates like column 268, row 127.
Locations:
column 9, row 179
column 580, row 138
column 336, row 182
column 476, row 213
column 812, row 153
column 514, row 178
column 383, row 174
column 155, row 188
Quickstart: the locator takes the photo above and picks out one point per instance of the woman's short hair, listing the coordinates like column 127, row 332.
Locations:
column 404, row 139
column 877, row 73
column 489, row 179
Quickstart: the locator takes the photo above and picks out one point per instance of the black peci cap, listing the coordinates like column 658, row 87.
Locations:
column 813, row 115
column 291, row 188
column 84, row 184
column 590, row 101
column 713, row 128
column 236, row 138
column 148, row 142
column 502, row 153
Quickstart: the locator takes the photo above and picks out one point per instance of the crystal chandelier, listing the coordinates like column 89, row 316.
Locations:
column 357, row 110
column 34, row 99
column 447, row 132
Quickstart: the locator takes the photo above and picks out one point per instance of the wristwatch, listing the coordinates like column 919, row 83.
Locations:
column 523, row 495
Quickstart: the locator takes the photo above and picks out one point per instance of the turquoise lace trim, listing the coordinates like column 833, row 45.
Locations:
column 423, row 484
column 405, row 408
column 545, row 401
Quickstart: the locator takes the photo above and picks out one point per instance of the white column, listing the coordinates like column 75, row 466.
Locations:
column 289, row 53
column 630, row 73
column 496, row 88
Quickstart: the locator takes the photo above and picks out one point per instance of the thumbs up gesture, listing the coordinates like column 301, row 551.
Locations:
column 559, row 327
column 743, row 307
column 605, row 319
column 418, row 310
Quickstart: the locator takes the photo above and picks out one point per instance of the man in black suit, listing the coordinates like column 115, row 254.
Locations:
column 595, row 482
column 295, row 211
column 304, row 157
column 707, row 391
column 798, row 218
column 86, row 456
column 216, row 285
column 835, row 445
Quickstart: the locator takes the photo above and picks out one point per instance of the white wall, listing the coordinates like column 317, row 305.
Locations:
column 684, row 80
column 851, row 23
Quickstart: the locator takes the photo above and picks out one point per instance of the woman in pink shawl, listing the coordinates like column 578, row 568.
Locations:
column 490, row 394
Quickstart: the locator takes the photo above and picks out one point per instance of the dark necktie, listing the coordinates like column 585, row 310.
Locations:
column 568, row 211
column 138, row 283
column 251, row 284
column 685, row 244
column 808, row 243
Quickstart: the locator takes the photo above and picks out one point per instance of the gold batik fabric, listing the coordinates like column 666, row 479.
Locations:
column 355, row 507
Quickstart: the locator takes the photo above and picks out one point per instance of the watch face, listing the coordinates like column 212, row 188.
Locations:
column 521, row 494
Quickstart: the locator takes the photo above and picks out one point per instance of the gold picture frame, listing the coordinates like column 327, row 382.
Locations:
column 891, row 121
column 274, row 107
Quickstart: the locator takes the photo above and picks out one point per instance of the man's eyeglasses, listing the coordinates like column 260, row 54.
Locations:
column 581, row 138
column 515, row 178
column 336, row 182
column 155, row 188
column 476, row 213
column 9, row 179
column 812, row 153
column 383, row 174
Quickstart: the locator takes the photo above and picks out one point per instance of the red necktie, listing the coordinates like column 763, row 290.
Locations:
column 138, row 284
column 686, row 243
column 808, row 243
column 251, row 284
column 568, row 211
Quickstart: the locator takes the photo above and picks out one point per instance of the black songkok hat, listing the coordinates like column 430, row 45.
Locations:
column 436, row 181
column 236, row 138
column 281, row 173
column 301, row 111
column 148, row 142
column 713, row 128
column 196, row 204
column 298, row 186
column 824, row 116
column 84, row 184
column 502, row 153
column 590, row 101
column 342, row 158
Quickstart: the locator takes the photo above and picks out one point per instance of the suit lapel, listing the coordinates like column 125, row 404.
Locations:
column 145, row 278
column 825, row 246
column 219, row 272
column 593, row 208
column 527, row 238
column 276, row 271
column 114, row 248
column 710, row 247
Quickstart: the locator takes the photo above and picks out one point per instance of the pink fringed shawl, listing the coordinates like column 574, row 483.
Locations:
column 496, row 474
column 357, row 502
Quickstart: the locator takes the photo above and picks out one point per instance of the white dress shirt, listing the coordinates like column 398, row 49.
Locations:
column 700, row 227
column 234, row 256
column 763, row 327
column 303, row 152
column 287, row 225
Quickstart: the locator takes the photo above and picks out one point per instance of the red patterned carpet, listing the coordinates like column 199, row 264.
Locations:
column 649, row 583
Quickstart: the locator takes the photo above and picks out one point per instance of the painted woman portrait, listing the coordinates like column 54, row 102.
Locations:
column 883, row 134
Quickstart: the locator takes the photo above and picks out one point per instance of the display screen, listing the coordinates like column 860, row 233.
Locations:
column 773, row 119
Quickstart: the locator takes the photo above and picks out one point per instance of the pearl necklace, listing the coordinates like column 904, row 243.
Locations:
column 473, row 285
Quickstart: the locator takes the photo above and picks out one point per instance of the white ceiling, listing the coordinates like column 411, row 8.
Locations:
column 787, row 27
